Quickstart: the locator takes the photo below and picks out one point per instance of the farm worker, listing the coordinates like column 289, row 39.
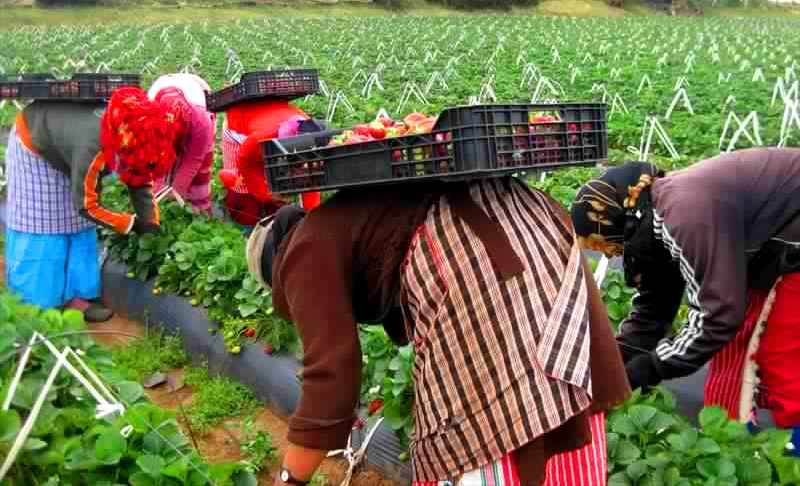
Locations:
column 191, row 174
column 248, row 198
column 515, row 359
column 57, row 154
column 723, row 231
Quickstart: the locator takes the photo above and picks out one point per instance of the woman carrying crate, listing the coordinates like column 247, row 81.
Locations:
column 57, row 154
column 247, row 124
column 191, row 175
column 726, row 231
column 515, row 360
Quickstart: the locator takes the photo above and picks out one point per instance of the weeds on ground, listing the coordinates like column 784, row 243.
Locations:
column 256, row 445
column 215, row 398
column 144, row 356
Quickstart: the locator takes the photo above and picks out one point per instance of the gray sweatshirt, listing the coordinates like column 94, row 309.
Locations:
column 713, row 217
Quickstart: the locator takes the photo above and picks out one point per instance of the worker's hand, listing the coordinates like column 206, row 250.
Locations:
column 143, row 227
column 642, row 372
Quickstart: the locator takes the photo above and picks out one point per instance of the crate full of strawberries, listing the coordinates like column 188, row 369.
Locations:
column 461, row 143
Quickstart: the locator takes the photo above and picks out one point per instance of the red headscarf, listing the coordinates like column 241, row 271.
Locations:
column 138, row 137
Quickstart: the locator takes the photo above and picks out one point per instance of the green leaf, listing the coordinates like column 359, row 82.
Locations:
column 624, row 425
column 641, row 415
column 657, row 456
column 684, row 441
column 247, row 309
column 395, row 363
column 712, row 418
column 130, row 392
column 395, row 415
column 150, row 464
column 627, row 453
column 619, row 479
column 110, row 447
column 615, row 311
column 73, row 320
column 178, row 469
column 141, row 479
column 614, row 291
column 706, row 446
column 636, row 470
column 661, row 422
column 10, row 424
column 754, row 472
column 716, row 468
column 34, row 444
column 28, row 391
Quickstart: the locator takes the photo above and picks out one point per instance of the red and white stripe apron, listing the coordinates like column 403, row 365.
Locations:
column 587, row 466
column 231, row 142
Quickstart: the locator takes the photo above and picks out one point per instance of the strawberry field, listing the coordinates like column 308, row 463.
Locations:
column 677, row 90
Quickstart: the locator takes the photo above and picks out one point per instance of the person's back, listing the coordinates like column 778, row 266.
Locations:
column 759, row 187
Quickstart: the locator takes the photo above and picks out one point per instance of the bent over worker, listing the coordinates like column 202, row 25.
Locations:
column 247, row 124
column 514, row 354
column 184, row 95
column 724, row 231
column 57, row 155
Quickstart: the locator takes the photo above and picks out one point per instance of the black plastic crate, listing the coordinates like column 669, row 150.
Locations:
column 81, row 87
column 283, row 84
column 466, row 142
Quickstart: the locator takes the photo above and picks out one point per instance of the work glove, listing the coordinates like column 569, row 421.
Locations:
column 642, row 372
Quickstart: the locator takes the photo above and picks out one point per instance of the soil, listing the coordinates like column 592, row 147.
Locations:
column 221, row 444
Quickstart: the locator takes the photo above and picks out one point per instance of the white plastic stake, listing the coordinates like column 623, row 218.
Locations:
column 601, row 271
column 680, row 95
column 645, row 80
column 791, row 116
column 750, row 120
column 758, row 75
column 650, row 128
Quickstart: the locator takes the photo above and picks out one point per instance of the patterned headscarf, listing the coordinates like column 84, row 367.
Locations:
column 138, row 137
column 600, row 208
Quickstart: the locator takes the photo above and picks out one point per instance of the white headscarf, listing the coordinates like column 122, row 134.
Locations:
column 194, row 87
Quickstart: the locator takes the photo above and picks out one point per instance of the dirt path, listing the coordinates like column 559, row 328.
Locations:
column 221, row 443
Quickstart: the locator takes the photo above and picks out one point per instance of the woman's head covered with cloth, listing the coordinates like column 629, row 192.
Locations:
column 613, row 214
column 266, row 238
column 138, row 136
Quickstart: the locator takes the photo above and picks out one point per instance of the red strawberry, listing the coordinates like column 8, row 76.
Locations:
column 377, row 133
column 359, row 423
column 362, row 130
column 387, row 122
column 249, row 332
column 268, row 349
column 375, row 406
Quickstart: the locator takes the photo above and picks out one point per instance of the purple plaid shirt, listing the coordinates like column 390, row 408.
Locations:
column 39, row 196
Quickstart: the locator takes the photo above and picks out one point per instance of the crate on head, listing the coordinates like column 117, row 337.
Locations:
column 281, row 84
column 466, row 142
column 81, row 87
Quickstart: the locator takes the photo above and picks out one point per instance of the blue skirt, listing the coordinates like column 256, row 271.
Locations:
column 49, row 270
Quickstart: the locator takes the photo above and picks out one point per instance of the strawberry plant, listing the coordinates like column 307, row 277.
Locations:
column 648, row 444
column 67, row 445
column 387, row 385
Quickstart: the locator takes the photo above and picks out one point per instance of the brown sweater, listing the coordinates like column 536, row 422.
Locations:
column 340, row 266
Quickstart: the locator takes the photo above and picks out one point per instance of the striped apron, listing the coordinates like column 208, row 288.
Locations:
column 587, row 466
column 231, row 141
column 498, row 362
